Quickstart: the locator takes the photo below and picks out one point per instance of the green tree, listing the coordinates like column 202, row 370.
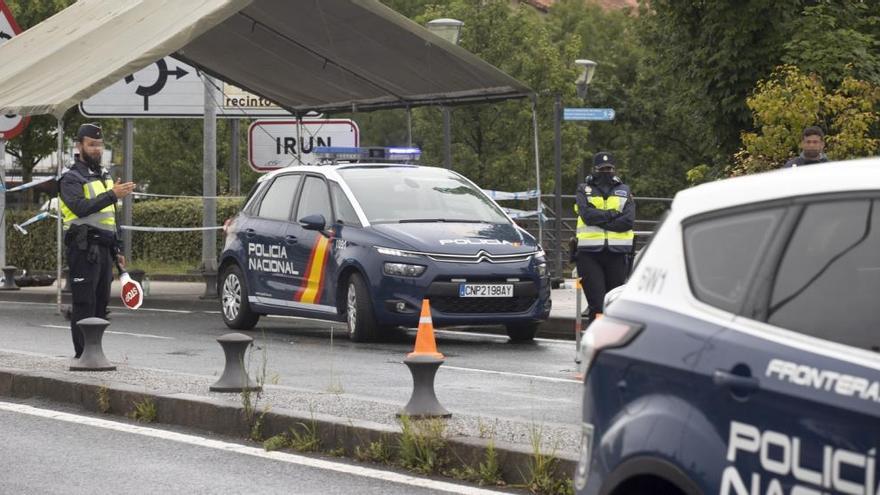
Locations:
column 836, row 39
column 790, row 100
column 710, row 54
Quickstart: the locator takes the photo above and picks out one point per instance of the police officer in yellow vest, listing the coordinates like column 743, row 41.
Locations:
column 88, row 206
column 606, row 213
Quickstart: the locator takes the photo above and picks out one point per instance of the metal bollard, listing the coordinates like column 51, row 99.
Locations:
column 92, row 358
column 423, row 403
column 9, row 278
column 234, row 377
column 210, row 286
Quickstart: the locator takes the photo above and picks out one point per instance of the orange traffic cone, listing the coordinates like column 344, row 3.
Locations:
column 425, row 343
column 423, row 362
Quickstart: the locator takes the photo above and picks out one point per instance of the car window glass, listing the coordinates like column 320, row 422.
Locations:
column 828, row 281
column 344, row 211
column 722, row 252
column 314, row 199
column 412, row 194
column 278, row 199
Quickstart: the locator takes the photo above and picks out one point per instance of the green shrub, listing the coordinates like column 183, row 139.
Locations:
column 36, row 250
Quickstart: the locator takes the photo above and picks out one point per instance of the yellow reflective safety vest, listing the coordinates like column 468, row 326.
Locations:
column 595, row 238
column 105, row 219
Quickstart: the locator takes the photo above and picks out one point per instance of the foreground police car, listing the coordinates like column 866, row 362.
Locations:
column 366, row 242
column 742, row 356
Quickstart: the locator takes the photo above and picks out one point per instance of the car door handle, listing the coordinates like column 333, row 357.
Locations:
column 250, row 232
column 290, row 239
column 738, row 384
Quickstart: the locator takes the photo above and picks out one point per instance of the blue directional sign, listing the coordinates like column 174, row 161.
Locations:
column 588, row 114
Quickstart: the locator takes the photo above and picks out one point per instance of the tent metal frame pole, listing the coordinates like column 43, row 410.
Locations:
column 409, row 126
column 127, row 176
column 234, row 163
column 557, row 157
column 447, row 137
column 58, row 238
column 540, row 207
column 2, row 202
column 209, row 179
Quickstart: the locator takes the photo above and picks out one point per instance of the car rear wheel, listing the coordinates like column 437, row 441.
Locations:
column 362, row 325
column 235, row 308
column 522, row 332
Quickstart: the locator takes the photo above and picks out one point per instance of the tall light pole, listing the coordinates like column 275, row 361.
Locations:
column 588, row 68
column 450, row 30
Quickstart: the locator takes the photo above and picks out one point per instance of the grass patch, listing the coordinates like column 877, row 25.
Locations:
column 543, row 468
column 250, row 399
column 144, row 411
column 103, row 399
column 275, row 443
column 155, row 267
column 422, row 445
column 379, row 451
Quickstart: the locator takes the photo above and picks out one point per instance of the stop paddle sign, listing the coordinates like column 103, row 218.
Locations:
column 132, row 293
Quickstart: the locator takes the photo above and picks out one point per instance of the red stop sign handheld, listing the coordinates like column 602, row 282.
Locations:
column 132, row 293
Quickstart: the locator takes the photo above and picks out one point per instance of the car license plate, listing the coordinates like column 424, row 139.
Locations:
column 485, row 290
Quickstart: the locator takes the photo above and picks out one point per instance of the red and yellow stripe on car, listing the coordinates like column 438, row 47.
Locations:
column 313, row 283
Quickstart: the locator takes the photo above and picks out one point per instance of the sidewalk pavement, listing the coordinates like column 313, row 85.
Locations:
column 190, row 296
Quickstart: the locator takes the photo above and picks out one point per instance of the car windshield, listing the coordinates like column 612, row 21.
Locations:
column 419, row 194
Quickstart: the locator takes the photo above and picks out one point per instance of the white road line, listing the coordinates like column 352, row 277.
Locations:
column 140, row 335
column 245, row 450
column 158, row 310
column 508, row 373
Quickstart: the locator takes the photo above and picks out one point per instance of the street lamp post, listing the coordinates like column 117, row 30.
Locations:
column 450, row 30
column 582, row 83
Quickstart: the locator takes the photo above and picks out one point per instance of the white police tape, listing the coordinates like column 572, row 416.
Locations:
column 29, row 185
column 150, row 195
column 136, row 228
column 503, row 195
column 514, row 213
column 20, row 227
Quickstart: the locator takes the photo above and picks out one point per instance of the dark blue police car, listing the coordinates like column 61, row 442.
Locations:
column 743, row 355
column 366, row 241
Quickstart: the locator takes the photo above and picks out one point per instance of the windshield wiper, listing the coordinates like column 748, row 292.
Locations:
column 435, row 220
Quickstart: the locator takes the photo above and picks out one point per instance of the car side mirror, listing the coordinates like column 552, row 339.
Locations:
column 313, row 222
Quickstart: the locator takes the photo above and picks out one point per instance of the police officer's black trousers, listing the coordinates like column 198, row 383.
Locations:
column 600, row 272
column 90, row 275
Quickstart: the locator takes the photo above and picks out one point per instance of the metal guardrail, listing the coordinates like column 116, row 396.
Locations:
column 557, row 230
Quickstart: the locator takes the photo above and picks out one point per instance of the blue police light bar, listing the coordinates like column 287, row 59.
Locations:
column 366, row 153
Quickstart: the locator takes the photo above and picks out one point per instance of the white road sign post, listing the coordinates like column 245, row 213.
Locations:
column 274, row 144
column 171, row 88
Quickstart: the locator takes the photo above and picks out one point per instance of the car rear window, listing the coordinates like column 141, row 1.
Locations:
column 723, row 251
column 828, row 281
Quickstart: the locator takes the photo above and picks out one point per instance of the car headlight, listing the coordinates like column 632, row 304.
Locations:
column 403, row 269
column 395, row 252
column 542, row 269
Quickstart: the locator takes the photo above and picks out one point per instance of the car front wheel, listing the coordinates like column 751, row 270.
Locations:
column 362, row 325
column 235, row 308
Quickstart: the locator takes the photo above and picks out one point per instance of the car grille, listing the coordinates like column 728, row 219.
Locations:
column 450, row 304
column 479, row 257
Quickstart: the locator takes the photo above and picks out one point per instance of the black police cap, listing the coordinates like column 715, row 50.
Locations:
column 90, row 130
column 603, row 159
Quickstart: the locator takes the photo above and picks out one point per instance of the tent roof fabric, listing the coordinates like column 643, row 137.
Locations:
column 94, row 43
column 322, row 55
column 343, row 55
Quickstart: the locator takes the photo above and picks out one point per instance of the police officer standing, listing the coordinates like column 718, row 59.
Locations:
column 88, row 207
column 606, row 213
column 812, row 148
